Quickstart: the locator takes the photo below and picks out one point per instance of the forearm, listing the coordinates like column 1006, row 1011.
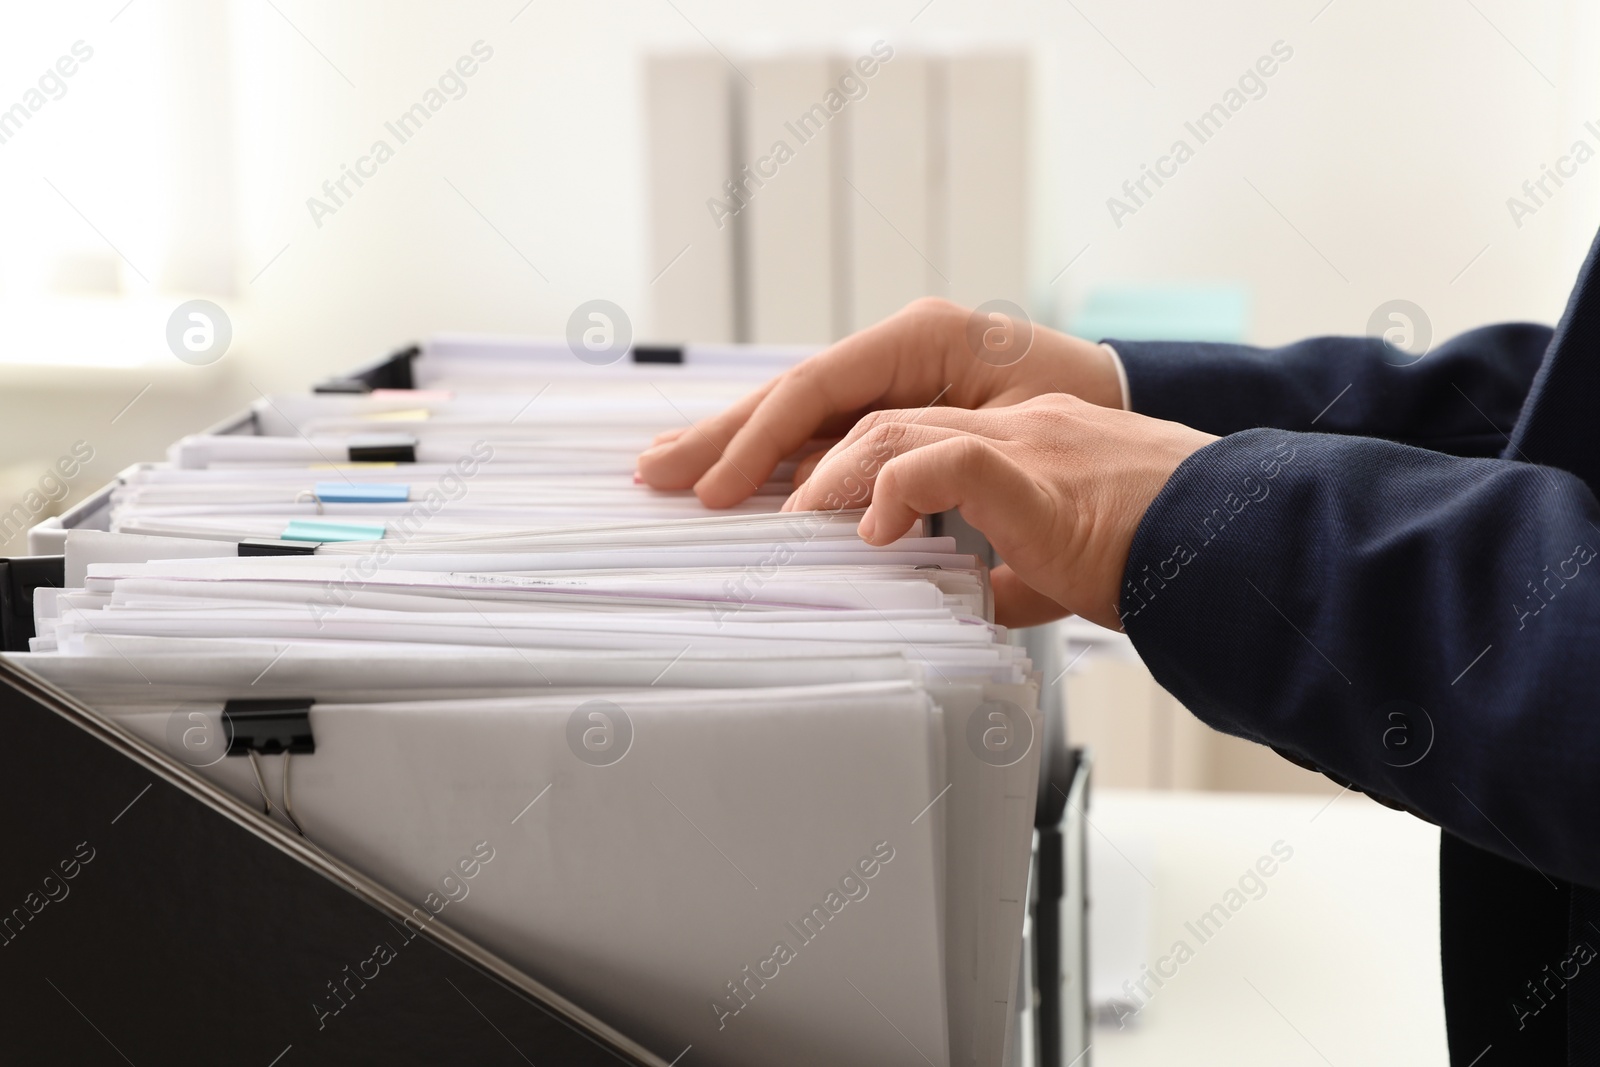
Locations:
column 1417, row 624
column 1462, row 398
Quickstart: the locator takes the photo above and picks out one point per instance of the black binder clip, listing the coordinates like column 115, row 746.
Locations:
column 383, row 448
column 657, row 354
column 267, row 547
column 256, row 728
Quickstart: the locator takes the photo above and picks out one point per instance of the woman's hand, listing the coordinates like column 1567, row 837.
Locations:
column 1056, row 484
column 930, row 352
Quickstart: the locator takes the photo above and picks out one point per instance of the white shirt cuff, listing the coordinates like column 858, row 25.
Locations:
column 1122, row 375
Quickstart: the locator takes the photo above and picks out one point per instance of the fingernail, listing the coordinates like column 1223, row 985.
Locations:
column 867, row 526
column 651, row 452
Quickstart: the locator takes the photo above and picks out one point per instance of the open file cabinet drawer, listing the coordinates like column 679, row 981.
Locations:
column 246, row 929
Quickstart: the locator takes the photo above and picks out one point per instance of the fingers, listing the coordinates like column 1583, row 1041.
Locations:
column 806, row 466
column 667, row 435
column 850, row 376
column 787, row 417
column 678, row 461
column 889, row 425
column 845, row 476
column 1018, row 604
column 963, row 471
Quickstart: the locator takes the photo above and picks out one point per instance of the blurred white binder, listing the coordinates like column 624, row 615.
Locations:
column 909, row 181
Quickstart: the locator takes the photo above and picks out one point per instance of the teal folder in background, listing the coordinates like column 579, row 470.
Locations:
column 1214, row 312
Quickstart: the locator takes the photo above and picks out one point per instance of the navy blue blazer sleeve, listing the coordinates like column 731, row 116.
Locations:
column 1461, row 398
column 1421, row 625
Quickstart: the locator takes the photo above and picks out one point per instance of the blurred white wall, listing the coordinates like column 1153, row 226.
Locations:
column 1381, row 158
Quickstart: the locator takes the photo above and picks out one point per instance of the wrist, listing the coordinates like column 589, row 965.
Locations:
column 1089, row 371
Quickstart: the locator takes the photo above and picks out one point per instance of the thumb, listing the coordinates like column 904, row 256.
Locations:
column 1018, row 604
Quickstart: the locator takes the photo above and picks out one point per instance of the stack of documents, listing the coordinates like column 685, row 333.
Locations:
column 742, row 785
